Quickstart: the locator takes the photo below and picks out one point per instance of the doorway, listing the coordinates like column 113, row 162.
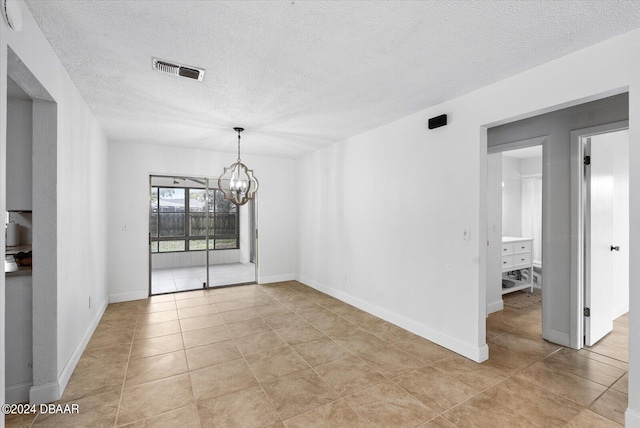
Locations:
column 514, row 256
column 197, row 238
column 601, row 202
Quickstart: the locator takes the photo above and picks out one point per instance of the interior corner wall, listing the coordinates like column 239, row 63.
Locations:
column 131, row 164
column 382, row 214
column 81, row 170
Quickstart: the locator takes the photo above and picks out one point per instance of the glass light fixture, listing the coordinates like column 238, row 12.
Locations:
column 237, row 182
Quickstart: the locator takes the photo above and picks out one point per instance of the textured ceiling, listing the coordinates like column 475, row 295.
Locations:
column 302, row 74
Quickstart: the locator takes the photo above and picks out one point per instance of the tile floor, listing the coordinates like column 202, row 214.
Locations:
column 170, row 280
column 285, row 355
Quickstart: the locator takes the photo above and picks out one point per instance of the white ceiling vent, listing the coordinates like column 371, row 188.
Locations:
column 178, row 69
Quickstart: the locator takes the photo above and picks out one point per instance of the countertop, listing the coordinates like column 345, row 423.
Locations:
column 12, row 269
column 508, row 239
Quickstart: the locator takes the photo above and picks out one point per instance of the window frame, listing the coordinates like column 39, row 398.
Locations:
column 209, row 212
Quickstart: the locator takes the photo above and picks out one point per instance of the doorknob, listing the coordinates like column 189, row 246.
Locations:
column 616, row 248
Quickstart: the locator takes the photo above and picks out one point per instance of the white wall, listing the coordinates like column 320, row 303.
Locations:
column 79, row 168
column 531, row 166
column 402, row 246
column 19, row 153
column 511, row 196
column 130, row 166
column 620, row 283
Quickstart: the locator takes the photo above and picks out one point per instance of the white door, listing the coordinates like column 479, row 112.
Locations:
column 600, row 249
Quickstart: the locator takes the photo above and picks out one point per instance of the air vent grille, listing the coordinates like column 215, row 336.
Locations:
column 178, row 69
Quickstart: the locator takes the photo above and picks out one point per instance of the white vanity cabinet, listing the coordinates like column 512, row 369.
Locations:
column 517, row 263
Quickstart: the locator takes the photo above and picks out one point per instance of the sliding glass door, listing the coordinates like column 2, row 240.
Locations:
column 197, row 239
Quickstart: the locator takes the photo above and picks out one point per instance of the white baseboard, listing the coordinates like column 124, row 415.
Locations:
column 631, row 419
column 496, row 306
column 132, row 295
column 45, row 393
column 475, row 353
column 275, row 278
column 68, row 369
column 15, row 394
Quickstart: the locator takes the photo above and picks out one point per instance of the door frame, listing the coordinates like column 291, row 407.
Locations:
column 578, row 253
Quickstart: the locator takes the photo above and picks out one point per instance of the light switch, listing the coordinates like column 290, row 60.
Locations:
column 465, row 234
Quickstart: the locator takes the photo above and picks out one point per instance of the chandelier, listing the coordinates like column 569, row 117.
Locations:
column 237, row 182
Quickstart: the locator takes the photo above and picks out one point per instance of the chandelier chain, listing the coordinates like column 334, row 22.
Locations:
column 238, row 147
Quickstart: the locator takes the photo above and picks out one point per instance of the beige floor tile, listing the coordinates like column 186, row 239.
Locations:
column 239, row 315
column 508, row 362
column 389, row 332
column 186, row 417
column 259, row 343
column 210, row 355
column 276, row 363
column 189, row 303
column 317, row 314
column 157, row 367
column 98, row 378
column 612, row 349
column 248, row 327
column 196, row 311
column 572, row 362
column 300, row 333
column 93, row 411
column 588, row 419
column 281, row 321
column 533, row 404
column 154, row 317
column 622, row 385
column 233, row 305
column 157, row 329
column 477, row 376
column 204, row 321
column 298, row 393
column 387, row 405
column 424, row 350
column 604, row 359
column 334, row 326
column 361, row 318
column 321, row 351
column 205, row 336
column 221, row 379
column 567, row 385
column 535, row 347
column 19, row 420
column 110, row 338
column 612, row 405
column 358, row 340
column 333, row 415
column 389, row 360
column 245, row 408
column 435, row 389
column 152, row 398
column 159, row 299
column 484, row 412
column 349, row 375
column 194, row 294
column 438, row 422
column 156, row 346
column 159, row 307
column 271, row 309
column 107, row 355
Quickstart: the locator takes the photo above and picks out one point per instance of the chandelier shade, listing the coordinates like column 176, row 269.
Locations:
column 237, row 182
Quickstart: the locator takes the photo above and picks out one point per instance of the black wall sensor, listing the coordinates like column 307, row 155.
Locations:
column 438, row 121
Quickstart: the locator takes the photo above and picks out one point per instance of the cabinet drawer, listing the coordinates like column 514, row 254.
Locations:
column 507, row 249
column 507, row 262
column 521, row 259
column 522, row 247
